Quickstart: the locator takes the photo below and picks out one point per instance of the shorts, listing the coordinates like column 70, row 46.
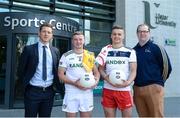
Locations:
column 74, row 102
column 117, row 99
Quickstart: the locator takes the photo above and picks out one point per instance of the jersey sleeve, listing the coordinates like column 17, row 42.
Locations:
column 101, row 58
column 133, row 57
column 63, row 62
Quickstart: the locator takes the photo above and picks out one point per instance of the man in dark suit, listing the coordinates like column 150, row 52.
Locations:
column 38, row 69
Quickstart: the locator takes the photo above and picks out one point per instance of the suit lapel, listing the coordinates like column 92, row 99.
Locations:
column 36, row 53
column 53, row 55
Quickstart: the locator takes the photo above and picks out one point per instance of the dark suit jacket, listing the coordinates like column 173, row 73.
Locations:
column 29, row 62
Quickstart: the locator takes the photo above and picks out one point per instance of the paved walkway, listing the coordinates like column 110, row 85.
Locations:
column 172, row 109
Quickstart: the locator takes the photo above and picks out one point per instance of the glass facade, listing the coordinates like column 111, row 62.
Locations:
column 95, row 18
column 89, row 13
column 21, row 41
column 102, row 39
column 97, row 35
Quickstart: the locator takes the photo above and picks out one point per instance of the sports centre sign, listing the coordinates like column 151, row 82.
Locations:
column 29, row 23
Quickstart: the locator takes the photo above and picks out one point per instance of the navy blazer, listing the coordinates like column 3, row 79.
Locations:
column 29, row 62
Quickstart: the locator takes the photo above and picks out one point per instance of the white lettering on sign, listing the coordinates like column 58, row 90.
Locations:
column 15, row 22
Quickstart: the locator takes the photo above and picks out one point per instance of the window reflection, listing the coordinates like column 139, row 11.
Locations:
column 97, row 25
column 4, row 1
column 94, row 41
column 3, row 10
column 21, row 41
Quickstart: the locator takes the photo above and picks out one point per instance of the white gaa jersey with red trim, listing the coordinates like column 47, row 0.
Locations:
column 116, row 59
column 72, row 62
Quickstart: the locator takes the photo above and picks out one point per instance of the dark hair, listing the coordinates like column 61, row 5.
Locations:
column 117, row 27
column 77, row 33
column 45, row 25
column 142, row 25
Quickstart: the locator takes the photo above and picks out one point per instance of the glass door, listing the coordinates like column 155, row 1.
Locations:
column 3, row 51
column 21, row 41
column 63, row 44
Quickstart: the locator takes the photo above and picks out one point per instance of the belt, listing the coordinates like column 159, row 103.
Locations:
column 40, row 88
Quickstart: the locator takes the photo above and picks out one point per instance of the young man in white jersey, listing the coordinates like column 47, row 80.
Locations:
column 117, row 95
column 77, row 98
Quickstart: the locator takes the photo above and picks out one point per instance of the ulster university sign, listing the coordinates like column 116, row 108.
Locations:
column 160, row 19
column 25, row 22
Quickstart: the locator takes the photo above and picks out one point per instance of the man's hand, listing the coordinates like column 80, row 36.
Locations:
column 125, row 83
column 78, row 85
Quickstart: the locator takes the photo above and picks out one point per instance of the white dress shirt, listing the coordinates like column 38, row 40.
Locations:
column 37, row 78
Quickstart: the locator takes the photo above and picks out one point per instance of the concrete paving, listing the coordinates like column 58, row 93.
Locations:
column 171, row 105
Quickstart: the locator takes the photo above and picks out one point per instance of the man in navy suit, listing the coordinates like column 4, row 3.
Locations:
column 38, row 69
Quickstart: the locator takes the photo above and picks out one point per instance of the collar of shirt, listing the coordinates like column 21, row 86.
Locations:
column 41, row 44
column 146, row 44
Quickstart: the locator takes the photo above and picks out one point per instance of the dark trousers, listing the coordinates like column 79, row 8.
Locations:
column 38, row 101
